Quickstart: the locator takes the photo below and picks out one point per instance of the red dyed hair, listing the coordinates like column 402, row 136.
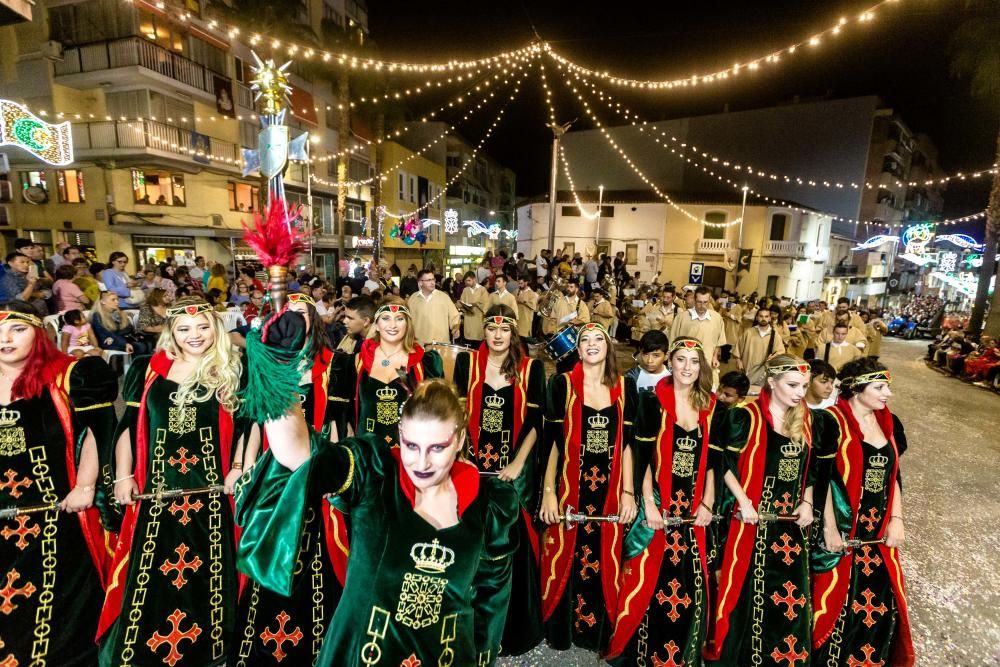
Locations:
column 45, row 361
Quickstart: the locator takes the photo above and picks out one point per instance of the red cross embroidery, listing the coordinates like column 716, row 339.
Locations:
column 594, row 478
column 871, row 519
column 279, row 637
column 790, row 655
column 589, row 526
column 675, row 547
column 586, row 564
column 10, row 660
column 183, row 460
column 21, row 531
column 789, row 599
column 678, row 504
column 487, row 456
column 15, row 492
column 589, row 619
column 868, row 608
column 867, row 561
column 167, row 567
column 867, row 661
column 673, row 600
column 10, row 591
column 671, row 649
column 184, row 508
column 412, row 661
column 784, row 505
column 175, row 637
column 786, row 548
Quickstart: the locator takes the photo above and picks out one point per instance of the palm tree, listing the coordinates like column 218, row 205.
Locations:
column 976, row 57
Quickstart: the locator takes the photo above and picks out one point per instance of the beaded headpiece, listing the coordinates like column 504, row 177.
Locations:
column 868, row 378
column 498, row 320
column 392, row 308
column 685, row 344
column 788, row 368
column 299, row 297
column 191, row 309
column 13, row 315
column 592, row 326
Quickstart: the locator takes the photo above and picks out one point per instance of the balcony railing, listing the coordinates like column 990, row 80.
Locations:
column 714, row 246
column 244, row 96
column 842, row 270
column 784, row 249
column 137, row 51
column 149, row 134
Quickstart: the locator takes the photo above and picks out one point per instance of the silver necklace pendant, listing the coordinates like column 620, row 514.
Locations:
column 385, row 363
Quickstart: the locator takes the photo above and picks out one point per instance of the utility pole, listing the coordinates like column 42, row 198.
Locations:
column 557, row 132
column 739, row 241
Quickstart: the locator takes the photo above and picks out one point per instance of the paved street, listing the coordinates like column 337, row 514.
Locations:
column 951, row 506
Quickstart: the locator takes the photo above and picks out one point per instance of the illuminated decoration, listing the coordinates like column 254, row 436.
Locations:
column 962, row 241
column 972, row 261
column 363, row 243
column 919, row 260
column 451, row 221
column 52, row 144
column 965, row 282
column 511, row 234
column 412, row 231
column 270, row 83
column 916, row 237
column 947, row 262
column 876, row 241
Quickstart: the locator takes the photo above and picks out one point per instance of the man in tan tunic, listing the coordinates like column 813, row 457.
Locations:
column 568, row 304
column 527, row 304
column 756, row 345
column 501, row 297
column 601, row 310
column 432, row 311
column 875, row 329
column 475, row 302
column 839, row 351
column 702, row 323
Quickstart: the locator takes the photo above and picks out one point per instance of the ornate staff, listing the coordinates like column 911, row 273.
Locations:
column 674, row 521
column 278, row 243
column 160, row 495
column 15, row 511
column 854, row 544
column 571, row 518
column 771, row 517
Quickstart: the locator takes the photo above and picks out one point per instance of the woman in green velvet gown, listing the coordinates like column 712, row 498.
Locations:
column 428, row 577
column 763, row 613
column 264, row 616
column 505, row 395
column 53, row 562
column 173, row 592
column 589, row 471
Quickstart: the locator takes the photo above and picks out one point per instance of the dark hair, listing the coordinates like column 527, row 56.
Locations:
column 95, row 268
column 737, row 380
column 611, row 375
column 117, row 254
column 73, row 317
column 213, row 296
column 469, row 274
column 65, row 272
column 654, row 340
column 516, row 352
column 841, row 325
column 81, row 260
column 362, row 305
column 14, row 255
column 851, row 369
column 669, row 289
column 23, row 243
column 819, row 368
column 702, row 289
column 71, row 247
column 843, row 299
column 424, row 271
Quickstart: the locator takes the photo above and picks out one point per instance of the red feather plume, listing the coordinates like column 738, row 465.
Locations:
column 276, row 238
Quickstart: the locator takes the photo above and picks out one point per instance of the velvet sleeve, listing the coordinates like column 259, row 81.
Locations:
column 272, row 503
column 826, row 439
column 463, row 361
column 492, row 580
column 340, row 391
column 900, row 437
column 555, row 414
column 735, row 433
column 536, row 398
column 132, row 390
column 645, row 433
column 433, row 365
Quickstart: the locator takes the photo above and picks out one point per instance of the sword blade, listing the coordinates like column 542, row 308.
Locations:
column 165, row 494
column 770, row 517
column 15, row 511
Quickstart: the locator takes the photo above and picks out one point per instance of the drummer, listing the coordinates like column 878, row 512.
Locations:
column 569, row 311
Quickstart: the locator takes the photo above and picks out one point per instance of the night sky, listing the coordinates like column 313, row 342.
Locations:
column 903, row 56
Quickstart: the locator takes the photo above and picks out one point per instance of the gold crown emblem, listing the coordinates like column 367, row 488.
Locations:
column 431, row 557
column 494, row 401
column 9, row 417
column 386, row 394
column 687, row 444
column 791, row 450
column 878, row 461
column 598, row 421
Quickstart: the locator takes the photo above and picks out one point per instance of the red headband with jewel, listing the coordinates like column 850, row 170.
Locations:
column 590, row 326
column 191, row 309
column 393, row 308
column 685, row 344
column 788, row 368
column 498, row 320
column 299, row 297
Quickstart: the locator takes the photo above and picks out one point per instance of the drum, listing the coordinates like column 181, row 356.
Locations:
column 449, row 352
column 562, row 344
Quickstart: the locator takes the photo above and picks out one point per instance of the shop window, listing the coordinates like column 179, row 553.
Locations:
column 158, row 188
column 35, row 187
column 71, row 189
column 242, row 196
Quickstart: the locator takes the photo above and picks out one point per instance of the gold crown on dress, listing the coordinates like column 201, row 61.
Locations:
column 791, row 449
column 431, row 557
column 686, row 444
column 386, row 394
column 878, row 461
column 9, row 417
column 598, row 421
column 493, row 401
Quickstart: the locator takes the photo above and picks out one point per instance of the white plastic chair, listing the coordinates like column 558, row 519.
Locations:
column 110, row 354
column 232, row 319
column 52, row 322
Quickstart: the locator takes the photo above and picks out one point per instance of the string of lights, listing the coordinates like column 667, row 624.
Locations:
column 772, row 58
column 414, row 154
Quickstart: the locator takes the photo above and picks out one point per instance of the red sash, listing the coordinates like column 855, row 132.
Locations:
column 739, row 548
column 159, row 366
column 830, row 589
column 560, row 543
column 639, row 580
column 364, row 361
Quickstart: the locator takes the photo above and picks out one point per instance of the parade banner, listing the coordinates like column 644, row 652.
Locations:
column 19, row 127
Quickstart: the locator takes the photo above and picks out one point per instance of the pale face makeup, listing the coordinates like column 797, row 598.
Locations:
column 428, row 449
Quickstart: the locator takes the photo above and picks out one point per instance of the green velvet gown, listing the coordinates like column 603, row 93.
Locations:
column 414, row 595
column 771, row 618
column 180, row 588
column 275, row 629
column 50, row 594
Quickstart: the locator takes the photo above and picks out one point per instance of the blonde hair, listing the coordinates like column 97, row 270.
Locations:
column 795, row 416
column 701, row 392
column 219, row 368
column 409, row 338
column 437, row 400
column 105, row 315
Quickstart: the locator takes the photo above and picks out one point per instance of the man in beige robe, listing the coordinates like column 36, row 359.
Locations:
column 475, row 302
column 601, row 310
column 839, row 351
column 432, row 311
column 569, row 304
column 702, row 323
column 527, row 304
column 756, row 345
column 502, row 297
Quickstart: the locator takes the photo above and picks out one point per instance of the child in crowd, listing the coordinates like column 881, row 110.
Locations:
column 652, row 360
column 76, row 337
column 820, row 394
column 733, row 388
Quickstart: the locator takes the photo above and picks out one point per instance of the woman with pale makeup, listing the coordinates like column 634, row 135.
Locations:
column 763, row 609
column 428, row 578
column 178, row 433
column 857, row 564
column 504, row 391
column 669, row 551
column 589, row 472
column 52, row 408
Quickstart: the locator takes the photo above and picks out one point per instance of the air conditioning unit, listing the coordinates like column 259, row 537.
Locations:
column 216, row 220
column 52, row 50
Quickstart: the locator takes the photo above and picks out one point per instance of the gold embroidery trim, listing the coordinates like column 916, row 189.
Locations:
column 133, row 404
column 350, row 475
column 96, row 406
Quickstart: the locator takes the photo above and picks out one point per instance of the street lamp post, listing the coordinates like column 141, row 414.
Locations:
column 557, row 132
column 600, row 204
column 739, row 240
